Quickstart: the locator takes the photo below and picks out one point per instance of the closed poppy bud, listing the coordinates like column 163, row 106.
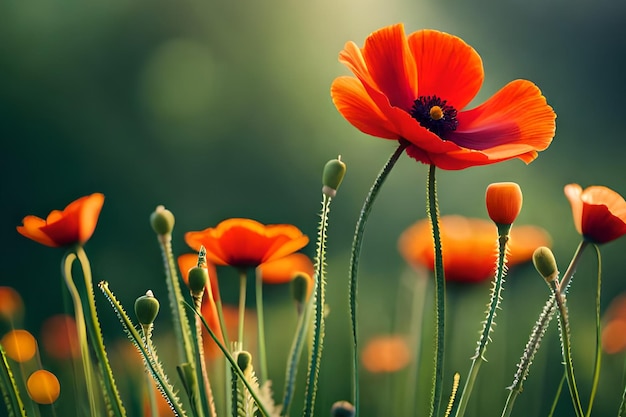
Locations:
column 198, row 277
column 244, row 359
column 146, row 308
column 342, row 409
column 162, row 221
column 545, row 264
column 43, row 387
column 504, row 202
column 332, row 176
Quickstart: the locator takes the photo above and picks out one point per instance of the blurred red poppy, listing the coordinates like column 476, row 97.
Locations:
column 383, row 354
column 75, row 224
column 415, row 88
column 469, row 246
column 599, row 212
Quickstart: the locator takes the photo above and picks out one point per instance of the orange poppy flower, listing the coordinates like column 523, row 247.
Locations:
column 282, row 271
column 415, row 88
column 599, row 212
column 469, row 246
column 244, row 243
column 75, row 224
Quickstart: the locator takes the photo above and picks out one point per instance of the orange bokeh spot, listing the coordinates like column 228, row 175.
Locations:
column 43, row 387
column 614, row 336
column 59, row 337
column 11, row 303
column 19, row 345
column 386, row 354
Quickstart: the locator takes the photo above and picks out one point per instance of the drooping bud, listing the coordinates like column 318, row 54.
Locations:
column 332, row 176
column 545, row 263
column 146, row 308
column 504, row 202
column 162, row 221
column 43, row 387
column 342, row 409
column 300, row 288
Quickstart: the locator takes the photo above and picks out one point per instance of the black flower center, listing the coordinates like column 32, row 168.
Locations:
column 435, row 115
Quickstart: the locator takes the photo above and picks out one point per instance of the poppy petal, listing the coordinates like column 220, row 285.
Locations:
column 358, row 108
column 447, row 67
column 282, row 270
column 32, row 229
column 516, row 115
column 390, row 65
column 573, row 193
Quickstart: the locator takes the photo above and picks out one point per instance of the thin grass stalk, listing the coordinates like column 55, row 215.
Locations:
column 440, row 294
column 557, row 395
column 355, row 254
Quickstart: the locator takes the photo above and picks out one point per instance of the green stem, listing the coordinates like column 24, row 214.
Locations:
column 93, row 327
column 557, row 395
column 494, row 305
column 598, row 354
column 319, row 299
column 440, row 293
column 146, row 330
column 9, row 390
column 566, row 348
column 208, row 402
column 357, row 242
column 536, row 335
column 232, row 362
column 242, row 306
column 261, row 327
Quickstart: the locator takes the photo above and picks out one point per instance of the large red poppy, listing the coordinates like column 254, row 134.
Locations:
column 75, row 224
column 415, row 88
column 599, row 212
column 469, row 246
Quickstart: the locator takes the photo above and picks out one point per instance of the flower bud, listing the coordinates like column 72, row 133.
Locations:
column 342, row 409
column 504, row 202
column 43, row 387
column 300, row 287
column 545, row 264
column 162, row 221
column 332, row 176
column 197, row 279
column 244, row 360
column 146, row 308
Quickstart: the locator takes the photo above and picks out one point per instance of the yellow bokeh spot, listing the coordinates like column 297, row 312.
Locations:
column 43, row 387
column 436, row 113
column 19, row 345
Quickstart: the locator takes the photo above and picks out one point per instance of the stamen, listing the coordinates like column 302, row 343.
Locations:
column 435, row 115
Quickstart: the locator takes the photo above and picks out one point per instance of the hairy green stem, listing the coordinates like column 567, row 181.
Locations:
column 598, row 355
column 357, row 242
column 242, row 306
column 440, row 294
column 494, row 305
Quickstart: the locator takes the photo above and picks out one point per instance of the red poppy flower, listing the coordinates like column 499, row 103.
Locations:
column 599, row 212
column 469, row 246
column 415, row 88
column 75, row 224
column 244, row 243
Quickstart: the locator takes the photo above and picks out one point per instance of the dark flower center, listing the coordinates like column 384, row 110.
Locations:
column 435, row 115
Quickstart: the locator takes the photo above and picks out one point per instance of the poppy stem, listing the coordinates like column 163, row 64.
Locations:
column 95, row 332
column 242, row 305
column 357, row 242
column 319, row 302
column 488, row 324
column 538, row 331
column 261, row 327
column 440, row 294
column 598, row 355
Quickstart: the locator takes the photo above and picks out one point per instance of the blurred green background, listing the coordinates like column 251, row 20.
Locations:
column 222, row 109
